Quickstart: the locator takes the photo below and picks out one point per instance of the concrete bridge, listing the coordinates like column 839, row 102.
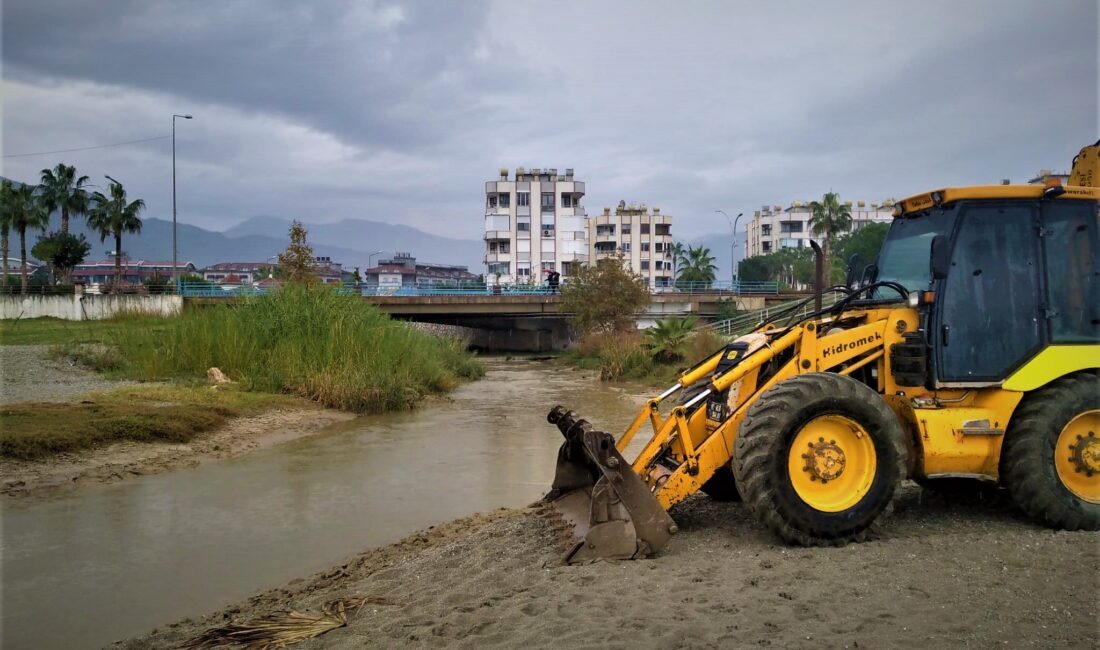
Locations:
column 535, row 322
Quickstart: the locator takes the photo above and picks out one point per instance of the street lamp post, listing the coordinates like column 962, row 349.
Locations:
column 733, row 242
column 175, row 282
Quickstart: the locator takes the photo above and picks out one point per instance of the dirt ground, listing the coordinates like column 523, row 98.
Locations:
column 119, row 461
column 28, row 374
column 946, row 573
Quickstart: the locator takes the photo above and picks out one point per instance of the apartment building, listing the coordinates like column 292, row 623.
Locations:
column 643, row 237
column 774, row 227
column 534, row 222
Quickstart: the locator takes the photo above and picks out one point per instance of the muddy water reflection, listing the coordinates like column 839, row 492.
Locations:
column 114, row 561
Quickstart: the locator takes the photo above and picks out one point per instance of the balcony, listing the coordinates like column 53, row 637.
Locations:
column 497, row 234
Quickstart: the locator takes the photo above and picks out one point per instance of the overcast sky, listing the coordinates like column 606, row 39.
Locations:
column 400, row 111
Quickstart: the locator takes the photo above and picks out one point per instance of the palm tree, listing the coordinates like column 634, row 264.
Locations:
column 62, row 190
column 668, row 338
column 696, row 266
column 677, row 251
column 112, row 216
column 828, row 217
column 26, row 212
column 7, row 207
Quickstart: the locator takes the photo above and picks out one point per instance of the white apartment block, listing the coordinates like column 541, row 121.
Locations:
column 644, row 238
column 774, row 227
column 534, row 222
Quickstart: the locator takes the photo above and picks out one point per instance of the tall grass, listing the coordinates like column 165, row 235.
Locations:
column 632, row 356
column 310, row 341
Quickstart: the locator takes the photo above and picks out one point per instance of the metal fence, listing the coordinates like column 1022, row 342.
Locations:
column 191, row 289
column 745, row 323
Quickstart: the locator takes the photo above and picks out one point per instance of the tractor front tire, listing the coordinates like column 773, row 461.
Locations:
column 1051, row 453
column 818, row 459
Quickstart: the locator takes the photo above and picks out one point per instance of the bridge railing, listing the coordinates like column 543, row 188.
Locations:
column 736, row 288
column 193, row 289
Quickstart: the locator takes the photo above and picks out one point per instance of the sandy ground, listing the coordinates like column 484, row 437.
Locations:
column 27, row 374
column 945, row 574
column 124, row 460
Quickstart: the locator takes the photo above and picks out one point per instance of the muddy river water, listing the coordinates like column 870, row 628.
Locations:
column 112, row 561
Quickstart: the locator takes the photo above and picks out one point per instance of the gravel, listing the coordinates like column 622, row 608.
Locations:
column 30, row 375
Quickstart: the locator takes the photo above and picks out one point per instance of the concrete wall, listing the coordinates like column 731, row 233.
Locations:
column 86, row 306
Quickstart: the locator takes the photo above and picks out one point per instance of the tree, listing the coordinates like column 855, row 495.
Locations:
column 696, row 266
column 604, row 297
column 62, row 251
column 677, row 251
column 27, row 212
column 865, row 242
column 828, row 217
column 297, row 262
column 7, row 207
column 60, row 189
column 668, row 338
column 112, row 216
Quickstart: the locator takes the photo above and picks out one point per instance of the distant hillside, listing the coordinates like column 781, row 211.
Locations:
column 371, row 236
column 200, row 246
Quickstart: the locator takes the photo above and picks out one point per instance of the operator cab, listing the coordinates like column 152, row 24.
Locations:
column 975, row 259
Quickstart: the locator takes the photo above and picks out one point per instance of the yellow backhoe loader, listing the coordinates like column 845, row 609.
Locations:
column 971, row 348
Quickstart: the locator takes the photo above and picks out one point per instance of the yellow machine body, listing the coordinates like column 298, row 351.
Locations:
column 950, row 429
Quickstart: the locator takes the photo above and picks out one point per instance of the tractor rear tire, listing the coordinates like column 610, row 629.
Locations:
column 767, row 454
column 1036, row 441
column 722, row 486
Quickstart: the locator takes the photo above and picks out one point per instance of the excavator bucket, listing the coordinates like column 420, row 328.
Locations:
column 599, row 506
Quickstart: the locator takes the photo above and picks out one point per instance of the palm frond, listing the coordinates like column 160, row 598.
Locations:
column 285, row 628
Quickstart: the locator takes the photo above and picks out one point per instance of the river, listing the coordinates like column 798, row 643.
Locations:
column 109, row 562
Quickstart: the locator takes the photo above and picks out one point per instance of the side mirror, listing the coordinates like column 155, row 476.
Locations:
column 940, row 257
column 854, row 263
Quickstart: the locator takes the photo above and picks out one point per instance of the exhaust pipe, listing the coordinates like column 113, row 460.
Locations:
column 599, row 506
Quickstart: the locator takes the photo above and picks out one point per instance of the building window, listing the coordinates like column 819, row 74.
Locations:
column 547, row 202
column 547, row 266
column 605, row 231
column 625, row 229
column 790, row 226
column 766, row 246
column 523, row 198
column 645, row 265
column 491, row 201
column 766, row 230
column 523, row 226
column 645, row 229
column 523, row 272
column 505, row 200
column 567, row 201
column 626, row 247
column 658, row 248
column 662, row 229
column 645, row 247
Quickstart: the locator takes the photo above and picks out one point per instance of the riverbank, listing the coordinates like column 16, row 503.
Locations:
column 945, row 574
column 124, row 460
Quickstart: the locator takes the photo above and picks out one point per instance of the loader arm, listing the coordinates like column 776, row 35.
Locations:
column 688, row 446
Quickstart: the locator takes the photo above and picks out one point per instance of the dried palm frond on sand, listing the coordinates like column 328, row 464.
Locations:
column 282, row 629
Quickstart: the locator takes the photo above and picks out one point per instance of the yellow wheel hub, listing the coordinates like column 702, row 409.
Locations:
column 1077, row 456
column 832, row 463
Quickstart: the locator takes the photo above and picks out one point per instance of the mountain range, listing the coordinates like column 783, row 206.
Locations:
column 349, row 242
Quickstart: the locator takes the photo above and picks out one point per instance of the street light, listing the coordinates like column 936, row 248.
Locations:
column 369, row 263
column 733, row 243
column 174, row 253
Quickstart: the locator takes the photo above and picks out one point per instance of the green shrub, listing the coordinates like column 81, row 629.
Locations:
column 310, row 341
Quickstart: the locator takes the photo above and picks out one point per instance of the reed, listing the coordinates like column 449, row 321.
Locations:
column 309, row 341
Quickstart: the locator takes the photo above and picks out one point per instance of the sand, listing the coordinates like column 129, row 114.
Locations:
column 945, row 574
column 123, row 460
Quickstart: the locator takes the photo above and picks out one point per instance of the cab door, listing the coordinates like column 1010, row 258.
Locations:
column 989, row 316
